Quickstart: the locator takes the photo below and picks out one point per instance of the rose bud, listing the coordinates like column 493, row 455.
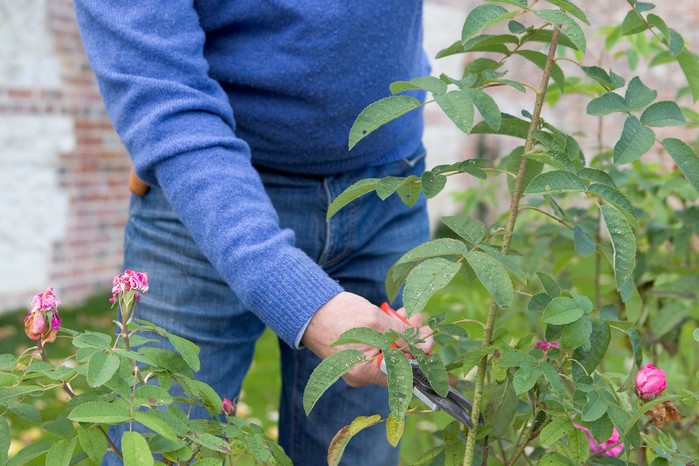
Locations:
column 650, row 382
column 228, row 407
column 42, row 321
column 604, row 448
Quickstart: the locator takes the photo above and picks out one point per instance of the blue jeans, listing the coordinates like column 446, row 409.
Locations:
column 188, row 297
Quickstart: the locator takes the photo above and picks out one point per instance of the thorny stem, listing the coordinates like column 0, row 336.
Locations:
column 71, row 393
column 507, row 241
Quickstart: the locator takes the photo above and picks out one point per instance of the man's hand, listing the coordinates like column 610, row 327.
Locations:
column 346, row 311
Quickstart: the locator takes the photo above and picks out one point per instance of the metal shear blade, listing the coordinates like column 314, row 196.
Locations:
column 454, row 404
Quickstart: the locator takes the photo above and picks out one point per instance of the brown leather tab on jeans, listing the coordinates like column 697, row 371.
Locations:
column 137, row 186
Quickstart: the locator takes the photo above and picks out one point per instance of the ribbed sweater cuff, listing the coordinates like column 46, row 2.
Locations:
column 294, row 289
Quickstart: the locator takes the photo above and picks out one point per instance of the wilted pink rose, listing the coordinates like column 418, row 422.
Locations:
column 42, row 321
column 228, row 407
column 604, row 448
column 650, row 382
column 544, row 345
column 45, row 301
column 129, row 281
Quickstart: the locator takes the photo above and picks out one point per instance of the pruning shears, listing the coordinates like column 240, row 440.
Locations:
column 454, row 403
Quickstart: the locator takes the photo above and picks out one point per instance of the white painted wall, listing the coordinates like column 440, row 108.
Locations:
column 27, row 57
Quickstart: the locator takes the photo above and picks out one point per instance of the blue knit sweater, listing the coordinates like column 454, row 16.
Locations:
column 200, row 90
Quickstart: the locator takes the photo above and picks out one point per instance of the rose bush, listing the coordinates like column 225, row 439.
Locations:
column 120, row 380
column 589, row 273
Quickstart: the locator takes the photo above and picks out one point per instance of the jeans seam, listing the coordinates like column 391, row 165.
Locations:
column 326, row 246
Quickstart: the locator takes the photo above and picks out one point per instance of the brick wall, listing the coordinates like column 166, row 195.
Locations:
column 62, row 168
column 64, row 171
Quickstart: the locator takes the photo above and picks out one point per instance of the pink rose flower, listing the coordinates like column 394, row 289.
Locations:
column 228, row 407
column 129, row 281
column 604, row 448
column 126, row 290
column 650, row 382
column 42, row 321
column 544, row 345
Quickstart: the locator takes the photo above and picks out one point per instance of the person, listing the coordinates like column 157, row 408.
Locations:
column 236, row 116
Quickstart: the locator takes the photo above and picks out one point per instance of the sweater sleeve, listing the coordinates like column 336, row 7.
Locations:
column 178, row 126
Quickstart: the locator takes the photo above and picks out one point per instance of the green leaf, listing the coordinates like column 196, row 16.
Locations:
column 5, row 438
column 665, row 113
column 614, row 197
column 595, row 407
column 470, row 229
column 509, row 262
column 538, row 302
column 364, row 335
column 562, row 310
column 434, row 248
column 425, row 280
column 620, row 417
column 555, row 459
column 636, row 346
column 571, row 29
column 92, row 442
column 151, row 395
column 584, row 245
column 539, row 59
column 606, row 104
column 61, row 426
column 689, row 63
column 510, row 126
column 188, row 350
column 93, row 340
column 481, row 17
column 598, row 176
column 31, row 451
column 7, row 362
column 427, row 83
column 458, row 106
column 525, row 378
column 638, row 95
column 61, row 452
column 161, row 422
column 555, row 182
column 433, row 367
column 327, row 373
column 623, row 242
column 487, row 107
column 409, row 190
column 359, row 188
column 641, row 410
column 601, row 76
column 26, row 411
column 589, row 360
column 553, row 376
column 559, row 426
column 571, row 8
column 394, row 429
column 432, row 184
column 100, row 412
column 135, row 450
column 635, row 141
column 494, row 277
column 685, row 158
column 378, row 114
column 473, row 357
column 344, row 435
column 633, row 23
column 101, row 367
column 388, row 186
column 550, row 286
column 576, row 333
column 400, row 381
column 578, row 446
